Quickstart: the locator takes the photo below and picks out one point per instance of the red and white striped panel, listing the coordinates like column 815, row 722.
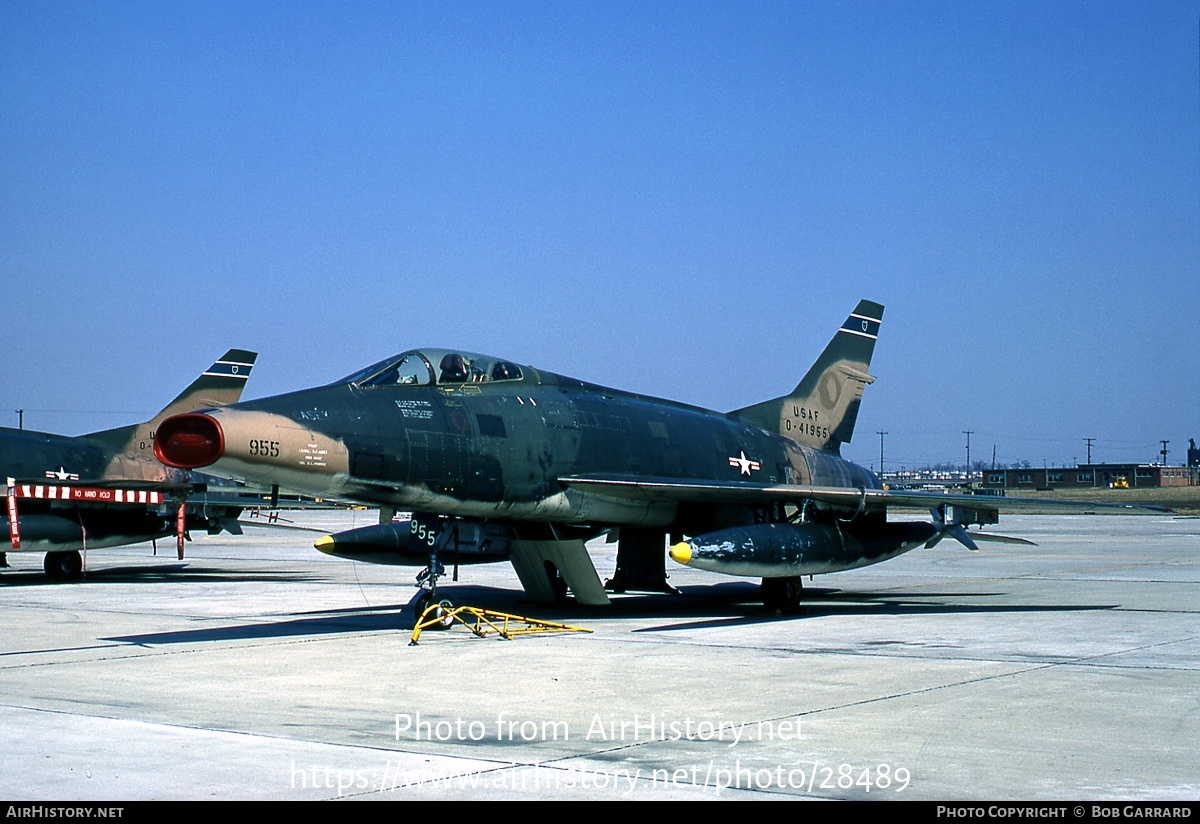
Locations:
column 88, row 493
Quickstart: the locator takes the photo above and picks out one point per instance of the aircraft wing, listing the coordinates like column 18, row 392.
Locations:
column 684, row 490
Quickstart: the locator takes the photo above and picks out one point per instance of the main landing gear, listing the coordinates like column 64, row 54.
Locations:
column 782, row 595
column 64, row 566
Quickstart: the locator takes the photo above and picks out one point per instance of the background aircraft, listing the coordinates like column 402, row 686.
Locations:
column 498, row 460
column 66, row 494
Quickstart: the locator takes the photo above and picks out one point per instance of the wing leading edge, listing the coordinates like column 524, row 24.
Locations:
column 686, row 490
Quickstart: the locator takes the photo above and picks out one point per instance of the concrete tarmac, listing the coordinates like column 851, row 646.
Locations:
column 260, row 669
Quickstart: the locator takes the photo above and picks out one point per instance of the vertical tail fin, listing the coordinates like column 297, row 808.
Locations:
column 218, row 385
column 822, row 409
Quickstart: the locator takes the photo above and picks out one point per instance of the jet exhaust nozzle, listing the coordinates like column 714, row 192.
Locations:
column 189, row 441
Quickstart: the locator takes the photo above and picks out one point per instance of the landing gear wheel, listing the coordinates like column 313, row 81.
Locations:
column 63, row 566
column 442, row 612
column 445, row 607
column 782, row 595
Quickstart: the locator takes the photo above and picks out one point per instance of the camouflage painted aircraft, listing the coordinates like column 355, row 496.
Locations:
column 66, row 494
column 498, row 460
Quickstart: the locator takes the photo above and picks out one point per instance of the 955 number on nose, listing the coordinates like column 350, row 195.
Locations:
column 262, row 448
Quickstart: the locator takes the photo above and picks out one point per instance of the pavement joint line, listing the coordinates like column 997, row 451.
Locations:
column 555, row 763
column 148, row 652
column 500, row 764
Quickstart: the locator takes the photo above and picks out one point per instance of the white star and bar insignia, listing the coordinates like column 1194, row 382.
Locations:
column 744, row 463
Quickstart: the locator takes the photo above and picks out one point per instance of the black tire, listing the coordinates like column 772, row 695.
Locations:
column 64, row 566
column 782, row 594
column 421, row 604
column 425, row 601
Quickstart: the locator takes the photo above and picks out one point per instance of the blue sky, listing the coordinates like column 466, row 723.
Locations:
column 683, row 199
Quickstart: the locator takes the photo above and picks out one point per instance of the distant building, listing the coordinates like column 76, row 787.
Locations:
column 1091, row 475
column 1193, row 453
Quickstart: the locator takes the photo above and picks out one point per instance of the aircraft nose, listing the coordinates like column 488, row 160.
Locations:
column 189, row 441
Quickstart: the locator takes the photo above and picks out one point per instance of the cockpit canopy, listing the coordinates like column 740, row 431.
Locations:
column 435, row 366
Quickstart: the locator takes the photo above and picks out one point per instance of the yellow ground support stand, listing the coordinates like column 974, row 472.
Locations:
column 484, row 622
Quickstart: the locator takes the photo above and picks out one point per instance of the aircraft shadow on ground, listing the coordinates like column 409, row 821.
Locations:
column 402, row 616
column 153, row 574
column 838, row 603
column 347, row 621
column 716, row 606
column 740, row 600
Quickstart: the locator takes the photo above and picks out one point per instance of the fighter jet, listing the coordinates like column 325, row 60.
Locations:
column 499, row 460
column 67, row 494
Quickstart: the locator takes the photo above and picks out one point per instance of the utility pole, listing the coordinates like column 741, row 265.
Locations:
column 880, row 433
column 1092, row 468
column 968, row 432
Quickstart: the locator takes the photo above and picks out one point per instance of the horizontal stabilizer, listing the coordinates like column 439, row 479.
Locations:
column 990, row 537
